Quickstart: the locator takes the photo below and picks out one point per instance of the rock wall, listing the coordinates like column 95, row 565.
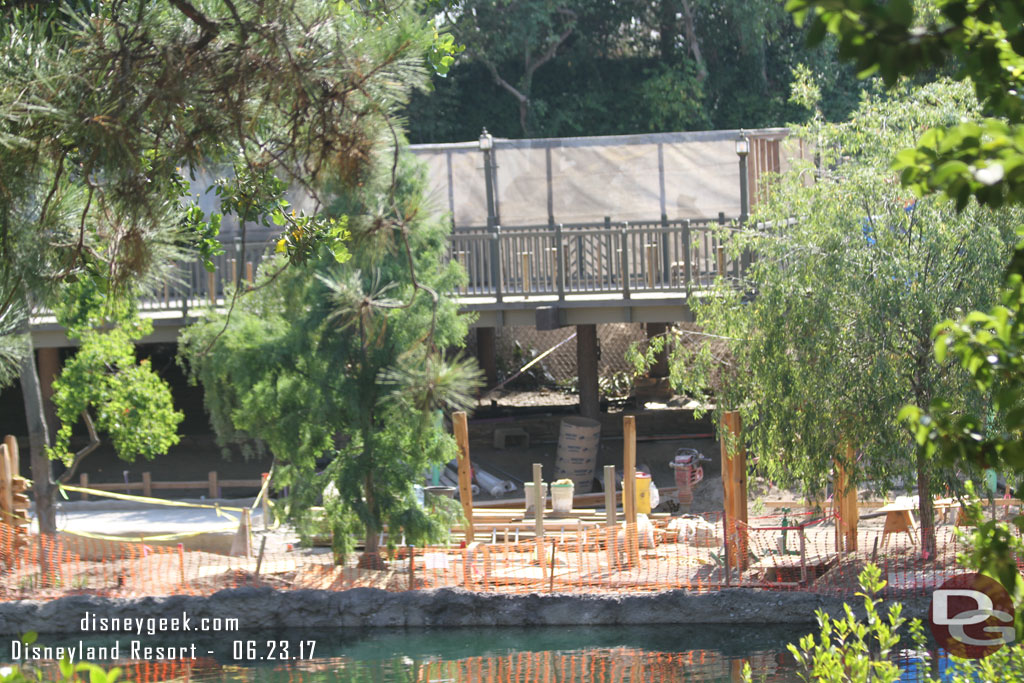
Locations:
column 265, row 608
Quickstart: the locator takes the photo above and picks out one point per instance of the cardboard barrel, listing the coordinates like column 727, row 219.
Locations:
column 578, row 439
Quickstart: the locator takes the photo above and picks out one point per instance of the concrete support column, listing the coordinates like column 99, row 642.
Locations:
column 586, row 369
column 660, row 367
column 48, row 362
column 487, row 355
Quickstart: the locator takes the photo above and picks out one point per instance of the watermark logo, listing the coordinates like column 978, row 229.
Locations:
column 971, row 616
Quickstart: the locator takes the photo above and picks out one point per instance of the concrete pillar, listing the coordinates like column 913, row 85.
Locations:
column 586, row 370
column 48, row 362
column 660, row 367
column 487, row 355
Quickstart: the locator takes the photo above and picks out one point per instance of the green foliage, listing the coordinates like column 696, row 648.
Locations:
column 338, row 369
column 980, row 158
column 623, row 68
column 132, row 404
column 848, row 649
column 829, row 335
column 974, row 157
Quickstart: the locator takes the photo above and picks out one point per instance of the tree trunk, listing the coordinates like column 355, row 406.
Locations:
column 927, row 508
column 39, row 440
column 371, row 559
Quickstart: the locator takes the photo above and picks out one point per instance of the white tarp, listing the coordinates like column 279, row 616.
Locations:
column 575, row 180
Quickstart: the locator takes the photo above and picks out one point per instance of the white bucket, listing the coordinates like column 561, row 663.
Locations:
column 561, row 498
column 528, row 491
column 578, row 439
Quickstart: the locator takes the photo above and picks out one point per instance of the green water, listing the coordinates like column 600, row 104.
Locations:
column 576, row 654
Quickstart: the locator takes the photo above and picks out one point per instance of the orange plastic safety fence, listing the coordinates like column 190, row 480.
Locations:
column 687, row 552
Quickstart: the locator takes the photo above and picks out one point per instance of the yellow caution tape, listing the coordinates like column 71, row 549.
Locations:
column 146, row 499
column 263, row 489
column 143, row 539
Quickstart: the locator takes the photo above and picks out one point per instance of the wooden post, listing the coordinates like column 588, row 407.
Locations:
column 538, row 500
column 83, row 481
column 12, row 453
column 803, row 558
column 845, row 503
column 734, row 481
column 609, row 507
column 461, row 430
column 609, row 495
column 211, row 280
column 6, row 493
column 147, row 484
column 213, row 485
column 587, row 371
column 720, row 253
column 249, row 274
column 259, row 558
column 412, row 567
column 181, row 562
column 629, row 488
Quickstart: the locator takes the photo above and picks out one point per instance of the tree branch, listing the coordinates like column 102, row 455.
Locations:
column 94, row 442
column 209, row 28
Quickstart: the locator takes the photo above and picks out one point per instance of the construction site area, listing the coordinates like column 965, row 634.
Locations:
column 699, row 526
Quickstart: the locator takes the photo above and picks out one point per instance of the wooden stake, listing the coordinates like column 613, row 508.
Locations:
column 461, row 430
column 6, row 492
column 181, row 562
column 629, row 487
column 147, row 484
column 83, row 481
column 12, row 453
column 609, row 495
column 212, row 486
column 249, row 273
column 538, row 499
column 734, row 481
column 259, row 558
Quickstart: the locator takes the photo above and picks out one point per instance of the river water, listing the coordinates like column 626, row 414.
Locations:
column 575, row 654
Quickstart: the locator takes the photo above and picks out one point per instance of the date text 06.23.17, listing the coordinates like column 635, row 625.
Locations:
column 271, row 650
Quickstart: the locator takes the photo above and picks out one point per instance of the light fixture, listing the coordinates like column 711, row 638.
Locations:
column 486, row 141
column 742, row 144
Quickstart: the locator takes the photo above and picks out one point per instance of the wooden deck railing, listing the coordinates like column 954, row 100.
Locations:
column 609, row 257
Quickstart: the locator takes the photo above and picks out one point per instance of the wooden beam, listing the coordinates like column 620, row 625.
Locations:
column 734, row 481
column 629, row 487
column 461, row 430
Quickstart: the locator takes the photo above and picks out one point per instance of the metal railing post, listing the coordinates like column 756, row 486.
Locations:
column 496, row 261
column 559, row 263
column 687, row 267
column 666, row 257
column 624, row 251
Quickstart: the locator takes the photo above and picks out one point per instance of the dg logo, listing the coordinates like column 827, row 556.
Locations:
column 971, row 616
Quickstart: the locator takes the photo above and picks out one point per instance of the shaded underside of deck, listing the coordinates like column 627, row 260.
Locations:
column 544, row 311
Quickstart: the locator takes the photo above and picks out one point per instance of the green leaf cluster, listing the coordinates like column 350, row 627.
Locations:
column 131, row 402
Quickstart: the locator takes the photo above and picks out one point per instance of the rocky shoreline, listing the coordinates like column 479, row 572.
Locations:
column 266, row 608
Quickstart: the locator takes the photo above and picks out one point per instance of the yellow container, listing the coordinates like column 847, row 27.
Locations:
column 643, row 493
